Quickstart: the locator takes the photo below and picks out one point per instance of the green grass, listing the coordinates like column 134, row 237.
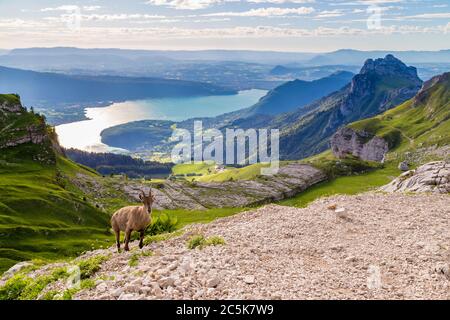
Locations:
column 43, row 216
column 90, row 266
column 199, row 241
column 415, row 124
column 344, row 185
column 9, row 98
column 193, row 168
column 246, row 173
column 22, row 287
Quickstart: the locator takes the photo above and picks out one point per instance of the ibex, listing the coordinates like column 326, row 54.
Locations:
column 133, row 218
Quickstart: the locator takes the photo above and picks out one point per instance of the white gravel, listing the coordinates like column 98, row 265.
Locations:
column 370, row 246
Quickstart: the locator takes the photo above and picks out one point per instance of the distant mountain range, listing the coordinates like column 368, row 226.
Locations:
column 54, row 88
column 72, row 58
column 297, row 93
column 356, row 57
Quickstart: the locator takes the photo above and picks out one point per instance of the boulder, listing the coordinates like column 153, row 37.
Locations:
column 432, row 177
column 403, row 166
column 360, row 144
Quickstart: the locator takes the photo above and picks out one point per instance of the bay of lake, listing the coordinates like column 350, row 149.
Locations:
column 85, row 134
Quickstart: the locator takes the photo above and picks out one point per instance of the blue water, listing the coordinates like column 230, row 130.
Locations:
column 85, row 135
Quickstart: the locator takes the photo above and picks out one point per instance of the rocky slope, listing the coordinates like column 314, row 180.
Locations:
column 369, row 246
column 431, row 177
column 290, row 180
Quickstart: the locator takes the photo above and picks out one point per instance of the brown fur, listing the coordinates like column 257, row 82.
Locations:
column 133, row 218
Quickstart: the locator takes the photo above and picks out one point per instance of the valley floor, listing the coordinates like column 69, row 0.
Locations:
column 367, row 246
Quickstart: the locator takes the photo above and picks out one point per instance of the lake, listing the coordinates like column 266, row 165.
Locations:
column 85, row 135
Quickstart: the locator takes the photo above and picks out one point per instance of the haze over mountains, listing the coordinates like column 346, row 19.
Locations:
column 57, row 88
column 70, row 57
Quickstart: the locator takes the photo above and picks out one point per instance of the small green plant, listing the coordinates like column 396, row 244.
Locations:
column 134, row 260
column 196, row 241
column 84, row 284
column 162, row 224
column 215, row 241
column 161, row 237
column 147, row 253
column 21, row 287
column 50, row 295
column 13, row 288
column 90, row 266
column 199, row 241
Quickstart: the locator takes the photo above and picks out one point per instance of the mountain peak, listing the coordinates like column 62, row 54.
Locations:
column 389, row 65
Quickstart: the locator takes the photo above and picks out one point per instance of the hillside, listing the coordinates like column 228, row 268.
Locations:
column 298, row 93
column 369, row 246
column 381, row 85
column 416, row 131
column 43, row 214
column 59, row 88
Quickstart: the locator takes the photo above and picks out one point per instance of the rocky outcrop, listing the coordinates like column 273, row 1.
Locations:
column 361, row 144
column 35, row 134
column 11, row 107
column 365, row 85
column 19, row 127
column 432, row 177
column 390, row 66
column 290, row 180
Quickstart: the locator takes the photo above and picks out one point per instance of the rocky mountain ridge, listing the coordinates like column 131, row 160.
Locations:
column 422, row 121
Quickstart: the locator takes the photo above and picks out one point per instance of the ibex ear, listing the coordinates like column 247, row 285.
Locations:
column 141, row 196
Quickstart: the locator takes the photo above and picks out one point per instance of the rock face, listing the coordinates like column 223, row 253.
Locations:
column 19, row 127
column 365, row 85
column 432, row 177
column 403, row 166
column 11, row 107
column 359, row 144
column 290, row 180
column 390, row 66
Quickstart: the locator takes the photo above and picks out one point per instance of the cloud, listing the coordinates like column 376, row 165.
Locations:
column 264, row 12
column 71, row 8
column 184, row 4
column 442, row 15
column 108, row 17
column 281, row 1
column 329, row 14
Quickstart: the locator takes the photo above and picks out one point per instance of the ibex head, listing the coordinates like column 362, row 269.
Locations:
column 147, row 200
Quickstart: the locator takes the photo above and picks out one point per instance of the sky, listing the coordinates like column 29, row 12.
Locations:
column 280, row 25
